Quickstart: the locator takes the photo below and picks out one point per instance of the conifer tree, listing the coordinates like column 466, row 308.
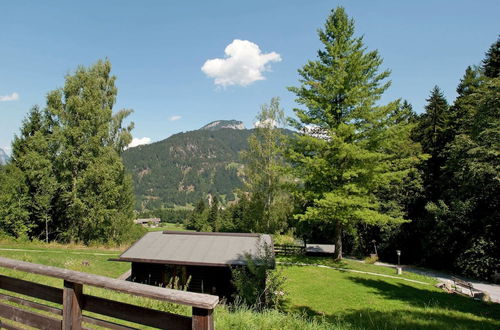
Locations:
column 361, row 146
column 491, row 63
column 431, row 133
column 213, row 215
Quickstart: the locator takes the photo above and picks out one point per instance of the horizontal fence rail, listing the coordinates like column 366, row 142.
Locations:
column 74, row 301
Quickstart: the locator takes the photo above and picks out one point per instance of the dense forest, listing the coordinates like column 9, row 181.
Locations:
column 186, row 167
column 354, row 172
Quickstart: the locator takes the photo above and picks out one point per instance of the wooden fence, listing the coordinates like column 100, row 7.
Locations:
column 74, row 301
column 284, row 249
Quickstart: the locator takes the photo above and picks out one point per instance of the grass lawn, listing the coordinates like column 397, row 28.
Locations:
column 355, row 265
column 318, row 298
column 367, row 301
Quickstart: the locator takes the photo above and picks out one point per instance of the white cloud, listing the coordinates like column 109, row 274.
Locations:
column 139, row 141
column 268, row 123
column 12, row 97
column 174, row 118
column 244, row 64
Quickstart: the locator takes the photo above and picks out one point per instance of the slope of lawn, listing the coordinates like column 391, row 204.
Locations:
column 318, row 298
column 354, row 265
column 372, row 302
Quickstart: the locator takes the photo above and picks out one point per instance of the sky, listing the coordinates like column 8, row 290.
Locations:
column 183, row 64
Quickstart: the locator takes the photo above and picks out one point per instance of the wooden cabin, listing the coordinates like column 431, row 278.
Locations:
column 206, row 258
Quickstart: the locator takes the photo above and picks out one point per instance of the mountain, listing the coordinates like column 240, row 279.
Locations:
column 3, row 157
column 219, row 124
column 187, row 166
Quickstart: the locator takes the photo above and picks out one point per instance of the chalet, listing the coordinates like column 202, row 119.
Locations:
column 205, row 258
column 151, row 222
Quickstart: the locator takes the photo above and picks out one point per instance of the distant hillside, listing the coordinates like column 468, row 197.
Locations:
column 187, row 166
column 3, row 157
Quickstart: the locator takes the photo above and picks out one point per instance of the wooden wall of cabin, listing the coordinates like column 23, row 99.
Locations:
column 203, row 279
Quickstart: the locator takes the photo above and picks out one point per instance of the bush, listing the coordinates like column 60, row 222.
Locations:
column 286, row 238
column 480, row 260
column 258, row 284
column 373, row 258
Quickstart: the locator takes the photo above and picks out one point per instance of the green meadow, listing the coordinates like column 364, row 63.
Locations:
column 317, row 297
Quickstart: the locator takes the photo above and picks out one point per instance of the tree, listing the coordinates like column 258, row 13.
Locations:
column 32, row 153
column 473, row 170
column 431, row 134
column 198, row 220
column 213, row 214
column 462, row 111
column 361, row 147
column 458, row 228
column 491, row 63
column 95, row 200
column 264, row 178
column 14, row 202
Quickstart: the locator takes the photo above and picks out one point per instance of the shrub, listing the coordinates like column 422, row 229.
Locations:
column 373, row 258
column 480, row 260
column 258, row 284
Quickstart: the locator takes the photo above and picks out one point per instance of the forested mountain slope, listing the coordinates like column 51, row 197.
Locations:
column 187, row 166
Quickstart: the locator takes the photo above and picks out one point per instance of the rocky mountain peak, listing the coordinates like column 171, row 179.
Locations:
column 220, row 124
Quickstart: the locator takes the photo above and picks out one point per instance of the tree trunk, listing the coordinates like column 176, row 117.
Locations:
column 337, row 255
column 46, row 230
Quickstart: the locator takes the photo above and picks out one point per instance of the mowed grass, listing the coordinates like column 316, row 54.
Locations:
column 318, row 298
column 352, row 264
column 372, row 302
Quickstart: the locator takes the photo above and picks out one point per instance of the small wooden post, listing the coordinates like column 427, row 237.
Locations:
column 203, row 319
column 72, row 306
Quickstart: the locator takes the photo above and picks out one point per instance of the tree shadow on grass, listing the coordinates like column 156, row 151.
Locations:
column 427, row 298
column 426, row 310
column 398, row 319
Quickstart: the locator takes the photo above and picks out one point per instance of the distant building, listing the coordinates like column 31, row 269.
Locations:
column 159, row 257
column 151, row 222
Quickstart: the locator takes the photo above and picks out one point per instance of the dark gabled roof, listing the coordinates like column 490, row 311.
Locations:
column 195, row 248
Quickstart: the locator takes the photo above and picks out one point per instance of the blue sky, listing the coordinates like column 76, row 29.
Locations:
column 158, row 49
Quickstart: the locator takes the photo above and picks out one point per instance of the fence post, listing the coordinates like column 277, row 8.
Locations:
column 202, row 319
column 72, row 306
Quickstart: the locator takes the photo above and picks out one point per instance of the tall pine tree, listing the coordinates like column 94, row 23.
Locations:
column 359, row 147
column 431, row 133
